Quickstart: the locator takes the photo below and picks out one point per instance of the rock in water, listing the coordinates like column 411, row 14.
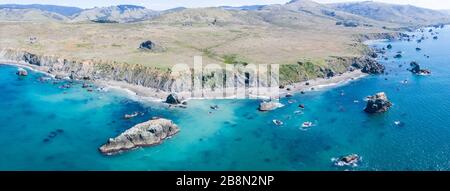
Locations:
column 269, row 106
column 22, row 72
column 415, row 69
column 173, row 99
column 149, row 133
column 378, row 103
column 147, row 45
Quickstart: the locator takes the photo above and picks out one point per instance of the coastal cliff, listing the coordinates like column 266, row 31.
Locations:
column 167, row 81
column 378, row 36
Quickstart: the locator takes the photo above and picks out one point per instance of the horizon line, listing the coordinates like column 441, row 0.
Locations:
column 222, row 5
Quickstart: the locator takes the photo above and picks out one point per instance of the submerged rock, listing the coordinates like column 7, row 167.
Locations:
column 21, row 72
column 85, row 85
column 269, row 106
column 398, row 56
column 131, row 116
column 378, row 103
column 173, row 99
column 350, row 160
column 149, row 133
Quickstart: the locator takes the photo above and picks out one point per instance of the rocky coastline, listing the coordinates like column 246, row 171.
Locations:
column 158, row 84
column 155, row 83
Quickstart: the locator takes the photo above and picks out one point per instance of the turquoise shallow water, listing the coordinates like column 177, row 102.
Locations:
column 237, row 136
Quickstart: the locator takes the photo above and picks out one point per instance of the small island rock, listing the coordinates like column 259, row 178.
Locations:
column 149, row 133
column 269, row 106
column 378, row 103
column 416, row 69
column 173, row 99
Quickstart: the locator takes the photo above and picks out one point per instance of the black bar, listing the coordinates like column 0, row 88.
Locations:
column 168, row 180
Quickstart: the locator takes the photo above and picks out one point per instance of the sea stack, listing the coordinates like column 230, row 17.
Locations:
column 149, row 133
column 378, row 103
column 173, row 99
column 21, row 72
column 415, row 69
column 269, row 106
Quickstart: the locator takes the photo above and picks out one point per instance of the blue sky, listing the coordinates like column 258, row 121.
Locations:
column 166, row 4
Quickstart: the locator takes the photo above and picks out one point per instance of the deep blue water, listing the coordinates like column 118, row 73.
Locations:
column 43, row 127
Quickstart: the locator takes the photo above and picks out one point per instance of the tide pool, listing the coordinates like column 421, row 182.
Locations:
column 45, row 127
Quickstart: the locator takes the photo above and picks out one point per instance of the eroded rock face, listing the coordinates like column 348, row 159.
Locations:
column 149, row 133
column 173, row 99
column 371, row 66
column 269, row 106
column 378, row 103
column 31, row 59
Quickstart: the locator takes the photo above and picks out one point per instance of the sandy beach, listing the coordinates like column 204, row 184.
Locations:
column 152, row 94
column 320, row 83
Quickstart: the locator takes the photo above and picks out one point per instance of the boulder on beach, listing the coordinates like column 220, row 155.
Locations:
column 378, row 103
column 173, row 99
column 21, row 72
column 269, row 106
column 149, row 133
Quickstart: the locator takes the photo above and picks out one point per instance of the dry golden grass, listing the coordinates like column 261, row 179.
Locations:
column 258, row 43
